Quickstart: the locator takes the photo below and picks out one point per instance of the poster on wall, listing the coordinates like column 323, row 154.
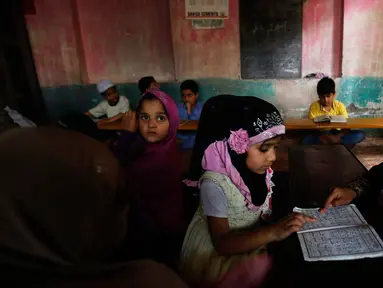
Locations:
column 208, row 23
column 207, row 9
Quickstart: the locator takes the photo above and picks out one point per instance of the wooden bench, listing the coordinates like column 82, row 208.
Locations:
column 291, row 124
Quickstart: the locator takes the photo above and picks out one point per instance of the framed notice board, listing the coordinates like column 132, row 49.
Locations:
column 271, row 38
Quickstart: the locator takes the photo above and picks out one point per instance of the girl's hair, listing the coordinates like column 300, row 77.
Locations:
column 145, row 82
column 191, row 85
column 149, row 97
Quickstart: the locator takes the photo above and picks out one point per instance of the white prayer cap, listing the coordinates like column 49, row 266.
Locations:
column 104, row 85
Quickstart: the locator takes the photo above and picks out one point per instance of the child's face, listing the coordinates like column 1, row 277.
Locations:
column 326, row 100
column 261, row 156
column 153, row 122
column 189, row 96
column 111, row 96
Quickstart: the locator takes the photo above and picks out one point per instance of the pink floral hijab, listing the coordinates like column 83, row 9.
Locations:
column 257, row 122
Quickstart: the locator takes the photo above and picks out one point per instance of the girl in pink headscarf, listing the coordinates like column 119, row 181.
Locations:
column 150, row 158
column 225, row 243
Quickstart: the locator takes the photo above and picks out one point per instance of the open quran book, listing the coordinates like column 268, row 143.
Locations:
column 330, row 118
column 341, row 233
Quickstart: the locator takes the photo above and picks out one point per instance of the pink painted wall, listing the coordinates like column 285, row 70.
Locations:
column 205, row 53
column 84, row 41
column 125, row 40
column 322, row 37
column 363, row 38
column 53, row 42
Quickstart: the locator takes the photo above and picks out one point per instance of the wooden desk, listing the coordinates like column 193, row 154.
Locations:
column 116, row 126
column 291, row 124
column 352, row 123
column 315, row 169
column 307, row 124
column 184, row 126
column 189, row 125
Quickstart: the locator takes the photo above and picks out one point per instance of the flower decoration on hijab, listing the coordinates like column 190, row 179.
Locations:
column 239, row 141
column 270, row 127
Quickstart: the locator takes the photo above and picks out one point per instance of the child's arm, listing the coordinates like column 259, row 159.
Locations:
column 188, row 109
column 228, row 242
column 182, row 112
column 123, row 109
column 129, row 143
column 97, row 111
column 111, row 119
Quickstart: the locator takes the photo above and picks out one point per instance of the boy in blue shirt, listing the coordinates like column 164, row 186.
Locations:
column 189, row 109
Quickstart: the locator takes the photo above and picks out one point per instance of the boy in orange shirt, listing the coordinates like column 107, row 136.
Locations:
column 327, row 105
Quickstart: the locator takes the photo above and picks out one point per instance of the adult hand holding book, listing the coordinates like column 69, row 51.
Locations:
column 338, row 197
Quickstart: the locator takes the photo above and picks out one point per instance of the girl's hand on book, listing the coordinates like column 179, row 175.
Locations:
column 288, row 225
column 338, row 197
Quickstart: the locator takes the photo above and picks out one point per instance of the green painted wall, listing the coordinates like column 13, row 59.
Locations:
column 292, row 97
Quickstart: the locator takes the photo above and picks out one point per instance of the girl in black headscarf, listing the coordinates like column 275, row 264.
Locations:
column 225, row 242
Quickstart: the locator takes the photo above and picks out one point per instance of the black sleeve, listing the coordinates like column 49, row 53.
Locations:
column 127, row 147
column 375, row 178
column 370, row 183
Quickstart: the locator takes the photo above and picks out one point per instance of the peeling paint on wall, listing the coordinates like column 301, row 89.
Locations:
column 295, row 96
column 363, row 95
column 121, row 40
column 322, row 37
column 51, row 34
column 363, row 38
column 126, row 40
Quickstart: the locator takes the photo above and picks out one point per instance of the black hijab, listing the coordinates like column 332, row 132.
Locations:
column 255, row 182
column 225, row 113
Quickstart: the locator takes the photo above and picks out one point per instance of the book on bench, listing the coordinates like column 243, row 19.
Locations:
column 330, row 118
column 341, row 233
